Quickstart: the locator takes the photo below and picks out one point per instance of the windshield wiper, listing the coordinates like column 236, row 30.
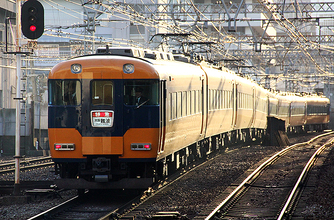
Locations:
column 142, row 104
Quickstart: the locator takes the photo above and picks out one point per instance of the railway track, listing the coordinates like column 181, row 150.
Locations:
column 133, row 207
column 7, row 187
column 120, row 206
column 9, row 167
column 149, row 197
column 274, row 188
column 92, row 205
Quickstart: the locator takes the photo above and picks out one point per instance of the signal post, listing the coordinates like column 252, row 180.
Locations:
column 29, row 20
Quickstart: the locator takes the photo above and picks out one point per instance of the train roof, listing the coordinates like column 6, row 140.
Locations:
column 158, row 58
column 65, row 70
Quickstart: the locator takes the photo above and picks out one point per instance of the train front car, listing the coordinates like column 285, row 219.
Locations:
column 104, row 122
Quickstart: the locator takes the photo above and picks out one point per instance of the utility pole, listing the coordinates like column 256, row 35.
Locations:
column 18, row 98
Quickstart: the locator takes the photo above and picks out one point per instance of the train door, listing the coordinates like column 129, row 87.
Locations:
column 289, row 112
column 101, row 113
column 204, row 104
column 305, row 113
column 253, row 107
column 163, row 118
column 234, row 104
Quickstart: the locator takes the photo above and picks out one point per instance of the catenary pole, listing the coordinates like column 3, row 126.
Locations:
column 18, row 98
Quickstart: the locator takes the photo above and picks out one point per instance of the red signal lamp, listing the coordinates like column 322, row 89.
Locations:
column 32, row 28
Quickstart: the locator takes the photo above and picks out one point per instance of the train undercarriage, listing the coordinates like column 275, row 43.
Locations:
column 102, row 172
column 107, row 172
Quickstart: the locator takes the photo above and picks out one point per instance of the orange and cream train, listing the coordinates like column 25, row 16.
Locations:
column 122, row 121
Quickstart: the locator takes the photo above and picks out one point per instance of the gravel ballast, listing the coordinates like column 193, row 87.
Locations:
column 193, row 193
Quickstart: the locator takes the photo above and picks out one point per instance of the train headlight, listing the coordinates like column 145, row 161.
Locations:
column 128, row 68
column 141, row 146
column 76, row 68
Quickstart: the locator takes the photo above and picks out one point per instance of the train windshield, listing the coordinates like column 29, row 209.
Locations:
column 141, row 92
column 102, row 92
column 64, row 92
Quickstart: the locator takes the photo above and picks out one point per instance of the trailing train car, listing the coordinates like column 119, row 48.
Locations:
column 297, row 113
column 317, row 113
column 301, row 112
column 125, row 122
column 292, row 109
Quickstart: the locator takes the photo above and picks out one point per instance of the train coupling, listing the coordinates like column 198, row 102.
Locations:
column 101, row 164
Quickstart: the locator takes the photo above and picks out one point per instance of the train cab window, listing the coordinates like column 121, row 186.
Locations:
column 64, row 92
column 141, row 92
column 102, row 92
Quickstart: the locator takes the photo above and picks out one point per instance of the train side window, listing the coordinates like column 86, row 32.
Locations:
column 225, row 103
column 219, row 99
column 184, row 103
column 173, row 100
column 64, row 92
column 188, row 103
column 230, row 99
column 191, row 106
column 179, row 105
column 211, row 99
column 102, row 92
column 141, row 92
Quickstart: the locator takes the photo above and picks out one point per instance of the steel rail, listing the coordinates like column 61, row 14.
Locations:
column 157, row 188
column 286, row 210
column 71, row 206
column 55, row 209
column 28, row 167
column 12, row 162
column 257, row 171
column 10, row 167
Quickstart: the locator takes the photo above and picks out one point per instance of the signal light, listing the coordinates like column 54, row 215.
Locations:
column 32, row 19
column 32, row 28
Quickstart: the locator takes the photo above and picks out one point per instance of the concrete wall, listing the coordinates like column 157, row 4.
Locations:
column 28, row 139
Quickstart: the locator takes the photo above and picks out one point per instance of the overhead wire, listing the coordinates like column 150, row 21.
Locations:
column 125, row 12
column 295, row 35
column 132, row 15
column 81, row 37
column 64, row 10
column 231, row 39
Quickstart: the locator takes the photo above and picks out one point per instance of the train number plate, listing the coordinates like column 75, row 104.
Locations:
column 101, row 118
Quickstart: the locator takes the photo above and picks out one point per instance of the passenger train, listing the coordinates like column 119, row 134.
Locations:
column 124, row 119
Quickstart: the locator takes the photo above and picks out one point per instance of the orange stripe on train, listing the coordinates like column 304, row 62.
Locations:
column 104, row 145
